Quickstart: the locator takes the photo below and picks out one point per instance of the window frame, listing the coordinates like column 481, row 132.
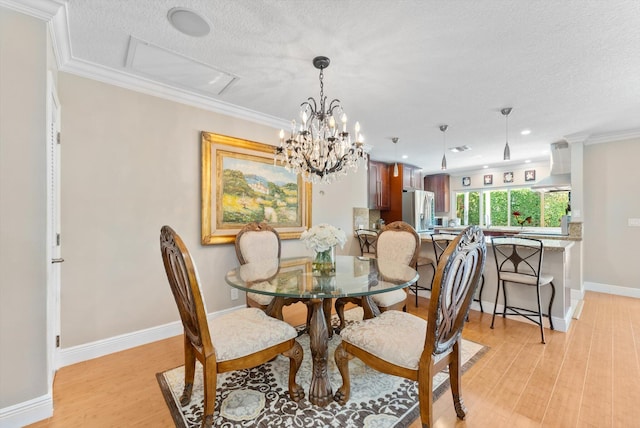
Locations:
column 484, row 195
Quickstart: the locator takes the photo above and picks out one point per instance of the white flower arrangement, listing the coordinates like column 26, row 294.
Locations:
column 322, row 237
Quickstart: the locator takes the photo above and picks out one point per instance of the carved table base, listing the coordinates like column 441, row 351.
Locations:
column 320, row 392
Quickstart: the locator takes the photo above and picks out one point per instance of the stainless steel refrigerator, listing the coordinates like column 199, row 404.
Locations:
column 418, row 209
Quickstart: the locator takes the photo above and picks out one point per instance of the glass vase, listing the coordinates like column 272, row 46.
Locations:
column 324, row 262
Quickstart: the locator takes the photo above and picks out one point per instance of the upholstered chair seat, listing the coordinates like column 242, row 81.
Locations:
column 247, row 331
column 389, row 298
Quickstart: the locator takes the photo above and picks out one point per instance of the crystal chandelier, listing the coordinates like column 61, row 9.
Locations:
column 317, row 148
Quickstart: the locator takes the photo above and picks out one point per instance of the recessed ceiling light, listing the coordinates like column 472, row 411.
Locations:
column 525, row 132
column 188, row 22
column 485, row 166
column 405, row 156
column 527, row 161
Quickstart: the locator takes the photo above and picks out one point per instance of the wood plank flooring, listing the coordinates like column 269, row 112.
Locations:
column 587, row 377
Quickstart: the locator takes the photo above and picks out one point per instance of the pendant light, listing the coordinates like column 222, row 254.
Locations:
column 395, row 166
column 507, row 152
column 443, row 128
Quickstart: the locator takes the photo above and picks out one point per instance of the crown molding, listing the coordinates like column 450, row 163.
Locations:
column 41, row 9
column 136, row 83
column 55, row 12
column 613, row 136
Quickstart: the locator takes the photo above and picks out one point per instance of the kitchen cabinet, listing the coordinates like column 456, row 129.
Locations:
column 411, row 177
column 379, row 192
column 439, row 184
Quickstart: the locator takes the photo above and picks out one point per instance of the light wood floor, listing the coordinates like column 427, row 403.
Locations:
column 587, row 377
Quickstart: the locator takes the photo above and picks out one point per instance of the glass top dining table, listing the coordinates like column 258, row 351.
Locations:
column 295, row 278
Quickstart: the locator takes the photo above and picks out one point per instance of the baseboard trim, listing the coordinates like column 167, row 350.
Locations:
column 578, row 310
column 88, row 351
column 40, row 408
column 27, row 412
column 612, row 289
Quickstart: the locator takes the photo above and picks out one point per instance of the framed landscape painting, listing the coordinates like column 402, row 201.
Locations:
column 242, row 184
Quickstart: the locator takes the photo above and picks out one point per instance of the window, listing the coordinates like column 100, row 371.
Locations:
column 496, row 207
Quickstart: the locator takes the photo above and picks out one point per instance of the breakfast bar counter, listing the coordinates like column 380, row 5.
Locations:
column 557, row 261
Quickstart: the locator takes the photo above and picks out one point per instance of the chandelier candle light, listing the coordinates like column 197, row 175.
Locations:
column 322, row 239
column 316, row 148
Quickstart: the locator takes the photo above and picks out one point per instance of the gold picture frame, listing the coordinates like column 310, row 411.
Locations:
column 233, row 197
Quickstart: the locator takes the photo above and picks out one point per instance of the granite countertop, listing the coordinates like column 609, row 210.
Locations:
column 543, row 233
column 558, row 243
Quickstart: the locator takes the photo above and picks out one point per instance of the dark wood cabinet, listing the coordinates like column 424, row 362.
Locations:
column 379, row 198
column 411, row 177
column 439, row 184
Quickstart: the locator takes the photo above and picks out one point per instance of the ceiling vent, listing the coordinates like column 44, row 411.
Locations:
column 173, row 69
column 560, row 177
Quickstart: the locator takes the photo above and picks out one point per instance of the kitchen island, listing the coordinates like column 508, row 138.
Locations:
column 558, row 260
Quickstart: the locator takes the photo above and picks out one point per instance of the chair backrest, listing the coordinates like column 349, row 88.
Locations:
column 256, row 242
column 522, row 256
column 440, row 243
column 185, row 286
column 367, row 240
column 398, row 241
column 457, row 276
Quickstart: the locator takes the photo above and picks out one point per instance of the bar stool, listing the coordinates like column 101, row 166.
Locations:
column 367, row 240
column 519, row 261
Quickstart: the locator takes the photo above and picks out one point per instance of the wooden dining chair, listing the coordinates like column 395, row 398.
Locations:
column 239, row 340
column 399, row 242
column 259, row 242
column 402, row 344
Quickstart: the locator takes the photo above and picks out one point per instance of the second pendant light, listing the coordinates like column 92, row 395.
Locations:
column 443, row 128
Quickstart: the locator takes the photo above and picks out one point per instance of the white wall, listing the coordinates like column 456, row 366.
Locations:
column 611, row 177
column 131, row 163
column 23, row 289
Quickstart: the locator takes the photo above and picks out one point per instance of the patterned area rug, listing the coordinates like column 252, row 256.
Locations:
column 258, row 397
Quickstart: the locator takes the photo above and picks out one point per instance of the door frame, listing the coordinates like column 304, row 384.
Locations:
column 53, row 116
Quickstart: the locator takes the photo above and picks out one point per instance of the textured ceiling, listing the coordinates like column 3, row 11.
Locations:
column 570, row 69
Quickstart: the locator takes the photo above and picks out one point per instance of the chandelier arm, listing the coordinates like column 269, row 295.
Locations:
column 333, row 106
column 311, row 103
column 340, row 161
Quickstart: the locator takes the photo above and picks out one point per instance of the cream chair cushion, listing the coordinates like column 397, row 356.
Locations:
column 397, row 245
column 389, row 298
column 258, row 269
column 258, row 245
column 525, row 279
column 246, row 331
column 394, row 336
